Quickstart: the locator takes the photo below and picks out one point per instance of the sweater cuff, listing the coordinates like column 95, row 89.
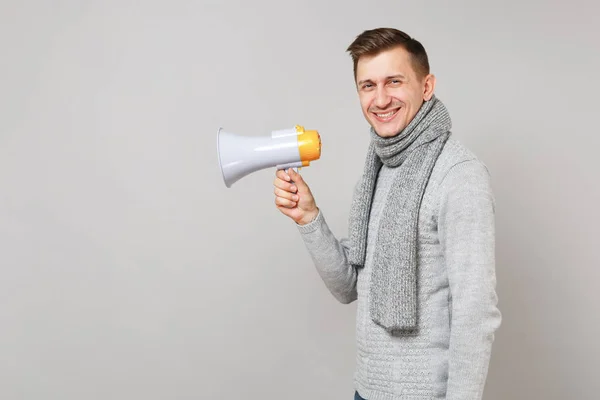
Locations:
column 312, row 225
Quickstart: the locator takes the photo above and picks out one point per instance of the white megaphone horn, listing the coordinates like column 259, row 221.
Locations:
column 285, row 148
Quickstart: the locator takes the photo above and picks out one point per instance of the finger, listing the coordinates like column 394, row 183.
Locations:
column 283, row 202
column 286, row 186
column 298, row 180
column 295, row 175
column 286, row 194
column 281, row 174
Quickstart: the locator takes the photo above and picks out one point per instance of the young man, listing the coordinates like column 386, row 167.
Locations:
column 419, row 257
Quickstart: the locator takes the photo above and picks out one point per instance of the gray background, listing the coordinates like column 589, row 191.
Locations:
column 129, row 271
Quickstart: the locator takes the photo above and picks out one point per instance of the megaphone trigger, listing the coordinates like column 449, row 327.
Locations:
column 286, row 148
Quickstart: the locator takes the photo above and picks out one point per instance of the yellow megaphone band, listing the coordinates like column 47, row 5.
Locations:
column 309, row 145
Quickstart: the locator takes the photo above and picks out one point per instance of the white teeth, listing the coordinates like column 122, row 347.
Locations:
column 389, row 114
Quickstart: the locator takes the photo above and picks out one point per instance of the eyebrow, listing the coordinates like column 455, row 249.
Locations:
column 389, row 77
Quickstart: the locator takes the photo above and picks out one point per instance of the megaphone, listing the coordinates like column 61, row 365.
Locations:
column 285, row 148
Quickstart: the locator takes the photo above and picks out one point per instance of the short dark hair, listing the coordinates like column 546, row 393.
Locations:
column 374, row 41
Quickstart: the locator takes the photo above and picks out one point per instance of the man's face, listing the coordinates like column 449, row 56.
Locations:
column 390, row 91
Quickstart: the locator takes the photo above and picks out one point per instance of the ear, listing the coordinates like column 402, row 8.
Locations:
column 428, row 87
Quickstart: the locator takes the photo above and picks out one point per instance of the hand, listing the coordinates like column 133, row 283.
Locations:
column 294, row 198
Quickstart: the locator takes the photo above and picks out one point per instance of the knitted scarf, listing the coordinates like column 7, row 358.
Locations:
column 414, row 151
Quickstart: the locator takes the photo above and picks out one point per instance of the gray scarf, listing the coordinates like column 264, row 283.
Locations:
column 414, row 150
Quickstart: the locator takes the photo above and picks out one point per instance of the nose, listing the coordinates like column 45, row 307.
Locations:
column 382, row 99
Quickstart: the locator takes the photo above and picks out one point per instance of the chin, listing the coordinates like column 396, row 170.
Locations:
column 387, row 130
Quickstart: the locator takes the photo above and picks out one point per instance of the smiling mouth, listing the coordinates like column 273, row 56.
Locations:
column 387, row 115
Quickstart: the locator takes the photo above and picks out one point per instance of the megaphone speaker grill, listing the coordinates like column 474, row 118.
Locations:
column 286, row 148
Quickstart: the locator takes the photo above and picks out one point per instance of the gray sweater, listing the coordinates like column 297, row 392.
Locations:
column 448, row 357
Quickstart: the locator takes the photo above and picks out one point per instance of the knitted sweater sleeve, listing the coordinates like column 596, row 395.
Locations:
column 466, row 226
column 329, row 256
